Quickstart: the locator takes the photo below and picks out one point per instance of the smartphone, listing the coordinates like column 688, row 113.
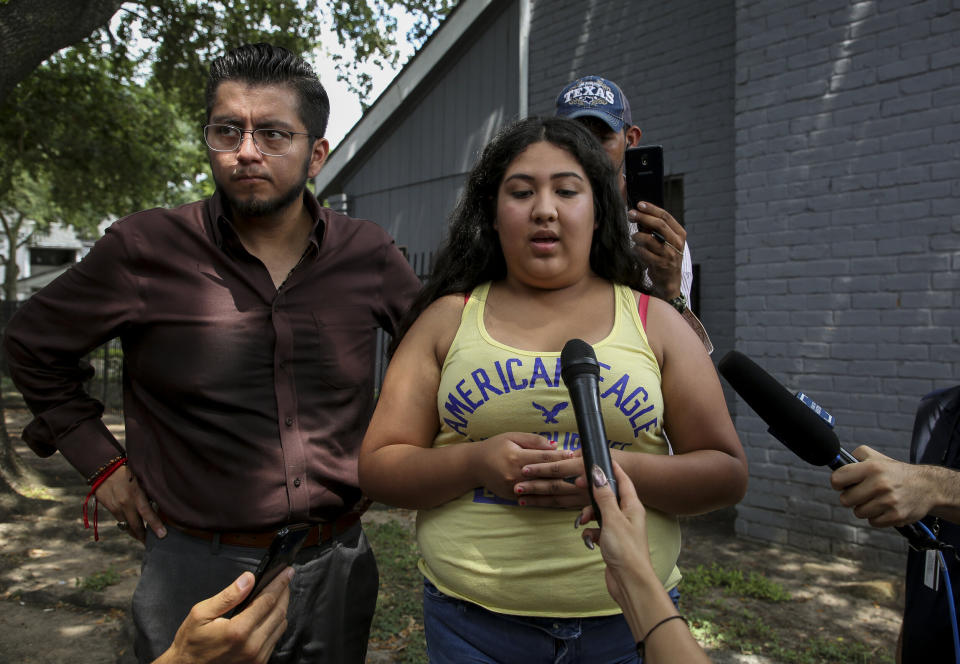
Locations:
column 283, row 549
column 644, row 173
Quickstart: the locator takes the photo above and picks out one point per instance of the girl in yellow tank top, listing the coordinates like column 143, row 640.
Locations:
column 474, row 428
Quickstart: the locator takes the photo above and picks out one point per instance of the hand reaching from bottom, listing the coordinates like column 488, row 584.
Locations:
column 248, row 637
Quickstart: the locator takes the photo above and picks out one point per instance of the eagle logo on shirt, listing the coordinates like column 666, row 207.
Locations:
column 549, row 415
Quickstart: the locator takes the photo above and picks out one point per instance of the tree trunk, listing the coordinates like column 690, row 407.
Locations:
column 14, row 472
column 12, row 468
column 10, row 275
column 33, row 30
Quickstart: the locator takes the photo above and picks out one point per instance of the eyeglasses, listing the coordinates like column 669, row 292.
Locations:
column 270, row 142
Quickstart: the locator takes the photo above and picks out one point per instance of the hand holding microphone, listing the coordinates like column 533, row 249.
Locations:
column 888, row 492
column 624, row 544
column 661, row 633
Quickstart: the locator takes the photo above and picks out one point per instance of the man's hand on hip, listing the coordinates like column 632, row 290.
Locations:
column 121, row 494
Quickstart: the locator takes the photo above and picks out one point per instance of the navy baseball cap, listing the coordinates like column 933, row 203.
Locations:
column 597, row 97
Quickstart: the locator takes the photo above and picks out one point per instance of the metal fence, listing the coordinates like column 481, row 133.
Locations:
column 107, row 360
column 106, row 383
column 422, row 264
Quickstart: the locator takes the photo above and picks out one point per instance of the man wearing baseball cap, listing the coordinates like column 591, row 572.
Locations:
column 659, row 240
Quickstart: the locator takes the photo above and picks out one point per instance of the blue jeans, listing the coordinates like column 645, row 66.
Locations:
column 459, row 632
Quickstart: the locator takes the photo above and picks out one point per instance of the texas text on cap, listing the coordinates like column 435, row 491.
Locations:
column 597, row 97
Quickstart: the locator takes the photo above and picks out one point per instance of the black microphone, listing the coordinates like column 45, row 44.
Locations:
column 580, row 371
column 795, row 425
column 790, row 421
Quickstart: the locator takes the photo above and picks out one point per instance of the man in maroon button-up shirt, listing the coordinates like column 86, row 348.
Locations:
column 248, row 326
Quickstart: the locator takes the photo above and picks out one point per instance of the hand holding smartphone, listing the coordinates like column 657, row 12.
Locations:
column 644, row 174
column 283, row 549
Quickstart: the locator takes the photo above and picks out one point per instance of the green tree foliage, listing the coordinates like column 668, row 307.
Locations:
column 82, row 141
column 98, row 141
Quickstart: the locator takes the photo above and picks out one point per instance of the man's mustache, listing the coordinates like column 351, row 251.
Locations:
column 240, row 173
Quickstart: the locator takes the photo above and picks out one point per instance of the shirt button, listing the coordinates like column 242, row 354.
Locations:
column 289, row 421
column 283, row 364
column 296, row 482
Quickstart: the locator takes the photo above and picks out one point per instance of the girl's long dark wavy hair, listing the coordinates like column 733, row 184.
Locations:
column 471, row 253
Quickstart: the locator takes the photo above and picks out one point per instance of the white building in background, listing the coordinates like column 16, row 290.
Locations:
column 46, row 255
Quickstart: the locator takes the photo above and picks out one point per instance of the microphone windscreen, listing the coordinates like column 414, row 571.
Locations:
column 790, row 421
column 577, row 357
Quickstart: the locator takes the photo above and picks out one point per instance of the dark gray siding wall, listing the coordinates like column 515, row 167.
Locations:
column 411, row 182
column 847, row 259
column 674, row 61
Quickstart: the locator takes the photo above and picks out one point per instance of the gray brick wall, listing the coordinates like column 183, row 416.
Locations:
column 675, row 63
column 847, row 251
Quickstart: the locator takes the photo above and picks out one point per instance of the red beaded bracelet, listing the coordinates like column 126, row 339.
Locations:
column 120, row 461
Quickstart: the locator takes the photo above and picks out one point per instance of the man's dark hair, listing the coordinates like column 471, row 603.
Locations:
column 266, row 64
column 471, row 254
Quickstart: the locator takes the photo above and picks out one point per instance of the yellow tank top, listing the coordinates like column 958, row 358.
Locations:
column 527, row 560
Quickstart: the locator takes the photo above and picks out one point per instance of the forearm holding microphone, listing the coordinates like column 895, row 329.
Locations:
column 630, row 578
column 888, row 492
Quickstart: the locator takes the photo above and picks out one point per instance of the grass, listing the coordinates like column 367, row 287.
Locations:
column 731, row 582
column 726, row 609
column 98, row 581
column 714, row 599
column 36, row 493
column 398, row 621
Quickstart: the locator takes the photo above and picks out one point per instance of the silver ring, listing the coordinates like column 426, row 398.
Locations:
column 123, row 525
